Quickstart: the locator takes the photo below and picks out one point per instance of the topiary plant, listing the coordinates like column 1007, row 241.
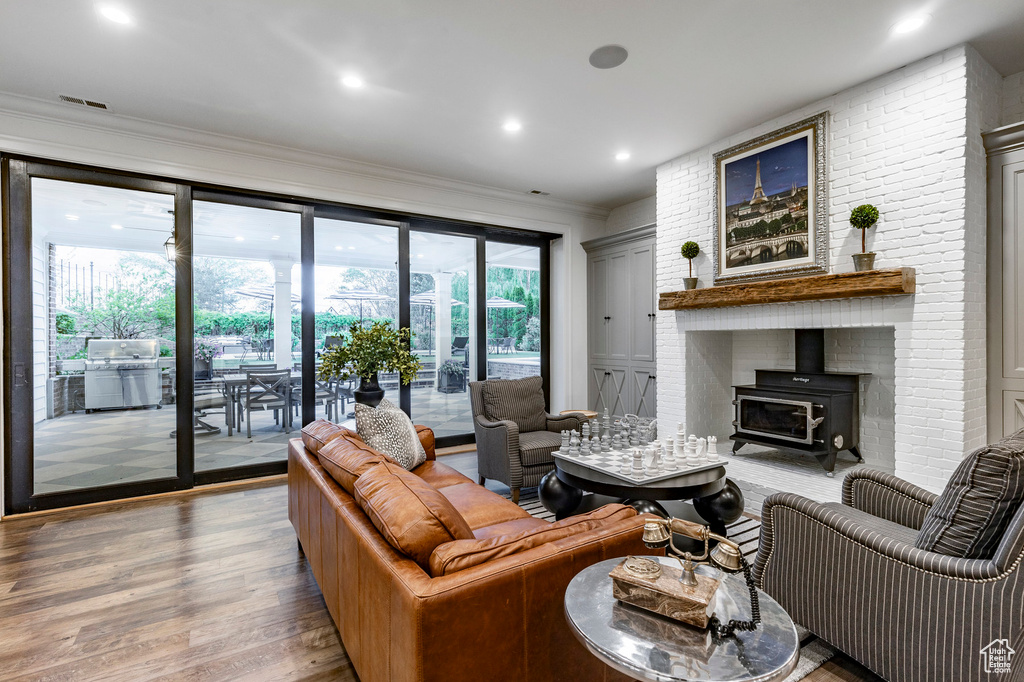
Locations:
column 372, row 349
column 690, row 251
column 863, row 217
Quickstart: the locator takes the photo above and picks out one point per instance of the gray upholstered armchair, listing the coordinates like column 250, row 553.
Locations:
column 852, row 574
column 515, row 435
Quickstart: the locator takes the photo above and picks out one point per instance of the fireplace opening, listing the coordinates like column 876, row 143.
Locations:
column 807, row 410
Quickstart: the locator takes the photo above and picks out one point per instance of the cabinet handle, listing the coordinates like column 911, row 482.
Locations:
column 607, row 374
column 607, row 317
column 653, row 377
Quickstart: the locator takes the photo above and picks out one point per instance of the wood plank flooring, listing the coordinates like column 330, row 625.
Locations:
column 204, row 585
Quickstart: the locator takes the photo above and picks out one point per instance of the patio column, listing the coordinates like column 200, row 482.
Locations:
column 443, row 313
column 282, row 313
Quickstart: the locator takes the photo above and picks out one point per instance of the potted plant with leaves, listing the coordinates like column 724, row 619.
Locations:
column 366, row 352
column 690, row 250
column 451, row 377
column 205, row 352
column 863, row 217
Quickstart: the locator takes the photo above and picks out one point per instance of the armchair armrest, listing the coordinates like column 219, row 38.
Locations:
column 888, row 497
column 565, row 422
column 497, row 450
column 809, row 525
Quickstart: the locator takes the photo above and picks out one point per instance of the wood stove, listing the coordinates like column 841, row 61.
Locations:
column 807, row 410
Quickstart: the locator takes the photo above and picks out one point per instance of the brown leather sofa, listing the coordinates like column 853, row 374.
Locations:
column 461, row 585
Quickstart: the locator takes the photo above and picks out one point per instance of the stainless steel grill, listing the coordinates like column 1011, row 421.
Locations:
column 122, row 373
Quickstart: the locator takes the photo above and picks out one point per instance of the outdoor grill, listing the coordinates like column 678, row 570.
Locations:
column 121, row 373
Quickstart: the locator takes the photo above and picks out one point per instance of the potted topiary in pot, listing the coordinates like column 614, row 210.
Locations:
column 690, row 251
column 862, row 218
column 451, row 377
column 366, row 352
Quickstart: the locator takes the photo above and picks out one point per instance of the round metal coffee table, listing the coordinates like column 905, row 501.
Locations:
column 647, row 646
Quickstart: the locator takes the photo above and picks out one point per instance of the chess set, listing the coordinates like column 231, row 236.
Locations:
column 625, row 450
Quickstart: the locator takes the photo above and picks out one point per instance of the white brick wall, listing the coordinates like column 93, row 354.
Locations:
column 637, row 214
column 1012, row 99
column 905, row 142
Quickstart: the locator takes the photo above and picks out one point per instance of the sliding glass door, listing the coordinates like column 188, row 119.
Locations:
column 158, row 336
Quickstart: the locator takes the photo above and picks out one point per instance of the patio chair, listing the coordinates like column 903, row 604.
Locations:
column 208, row 396
column 508, row 345
column 265, row 349
column 326, row 393
column 267, row 390
column 460, row 347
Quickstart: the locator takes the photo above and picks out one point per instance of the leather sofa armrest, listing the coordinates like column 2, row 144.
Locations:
column 565, row 422
column 813, row 526
column 426, row 435
column 888, row 497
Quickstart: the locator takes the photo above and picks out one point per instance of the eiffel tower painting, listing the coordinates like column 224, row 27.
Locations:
column 766, row 214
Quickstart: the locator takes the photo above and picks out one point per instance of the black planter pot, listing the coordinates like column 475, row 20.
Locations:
column 202, row 369
column 369, row 391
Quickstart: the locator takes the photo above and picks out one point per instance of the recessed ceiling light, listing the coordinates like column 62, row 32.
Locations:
column 114, row 14
column 622, row 156
column 419, row 255
column 512, row 126
column 239, row 239
column 910, row 24
column 275, row 237
column 351, row 248
column 115, row 226
column 352, row 81
column 337, row 248
column 608, row 56
column 71, row 216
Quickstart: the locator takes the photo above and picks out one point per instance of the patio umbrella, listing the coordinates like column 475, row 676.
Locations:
column 360, row 295
column 264, row 292
column 429, row 298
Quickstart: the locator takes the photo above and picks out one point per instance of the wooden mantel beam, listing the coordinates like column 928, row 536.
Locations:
column 894, row 282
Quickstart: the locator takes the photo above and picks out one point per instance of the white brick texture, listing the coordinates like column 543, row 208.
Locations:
column 908, row 142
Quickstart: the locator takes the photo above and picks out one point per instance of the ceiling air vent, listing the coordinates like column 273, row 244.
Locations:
column 83, row 102
column 540, row 193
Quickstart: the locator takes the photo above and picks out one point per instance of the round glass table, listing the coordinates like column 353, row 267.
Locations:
column 647, row 646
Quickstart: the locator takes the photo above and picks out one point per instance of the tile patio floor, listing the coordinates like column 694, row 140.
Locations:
column 87, row 450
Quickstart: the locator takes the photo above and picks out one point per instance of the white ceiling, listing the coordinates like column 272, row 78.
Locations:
column 443, row 75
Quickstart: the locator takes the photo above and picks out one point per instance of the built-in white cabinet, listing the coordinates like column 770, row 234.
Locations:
column 1005, row 281
column 621, row 313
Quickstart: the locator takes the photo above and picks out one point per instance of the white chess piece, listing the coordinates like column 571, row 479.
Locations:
column 606, row 442
column 653, row 466
column 702, row 450
column 681, row 449
column 712, row 448
column 638, row 463
column 691, row 451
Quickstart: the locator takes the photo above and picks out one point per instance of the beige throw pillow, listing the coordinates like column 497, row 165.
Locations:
column 389, row 431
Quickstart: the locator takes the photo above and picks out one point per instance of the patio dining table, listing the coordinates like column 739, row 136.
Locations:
column 234, row 386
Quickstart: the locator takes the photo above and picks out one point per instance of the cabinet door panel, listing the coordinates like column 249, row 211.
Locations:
column 642, row 303
column 1013, row 271
column 598, row 307
column 1013, row 412
column 618, row 306
column 643, row 392
column 609, row 389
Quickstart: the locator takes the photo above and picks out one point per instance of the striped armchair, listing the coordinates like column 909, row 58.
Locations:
column 515, row 435
column 851, row 574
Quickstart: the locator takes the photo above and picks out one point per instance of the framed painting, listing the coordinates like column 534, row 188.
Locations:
column 771, row 205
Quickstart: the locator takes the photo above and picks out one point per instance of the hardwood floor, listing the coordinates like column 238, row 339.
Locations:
column 205, row 585
column 201, row 586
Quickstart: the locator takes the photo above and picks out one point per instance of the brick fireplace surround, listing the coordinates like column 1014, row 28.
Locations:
column 910, row 143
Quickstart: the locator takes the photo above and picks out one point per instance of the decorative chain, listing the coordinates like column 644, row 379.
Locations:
column 755, row 610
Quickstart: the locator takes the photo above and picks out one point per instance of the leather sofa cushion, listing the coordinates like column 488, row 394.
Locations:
column 982, row 496
column 413, row 516
column 346, row 458
column 319, row 433
column 440, row 475
column 510, row 527
column 459, row 555
column 480, row 507
column 536, row 447
column 517, row 400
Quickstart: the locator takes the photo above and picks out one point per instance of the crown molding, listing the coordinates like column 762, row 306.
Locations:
column 63, row 132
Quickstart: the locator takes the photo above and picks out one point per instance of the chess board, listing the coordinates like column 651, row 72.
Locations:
column 611, row 463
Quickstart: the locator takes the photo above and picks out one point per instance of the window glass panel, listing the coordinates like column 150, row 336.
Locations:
column 247, row 292
column 103, row 336
column 513, row 311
